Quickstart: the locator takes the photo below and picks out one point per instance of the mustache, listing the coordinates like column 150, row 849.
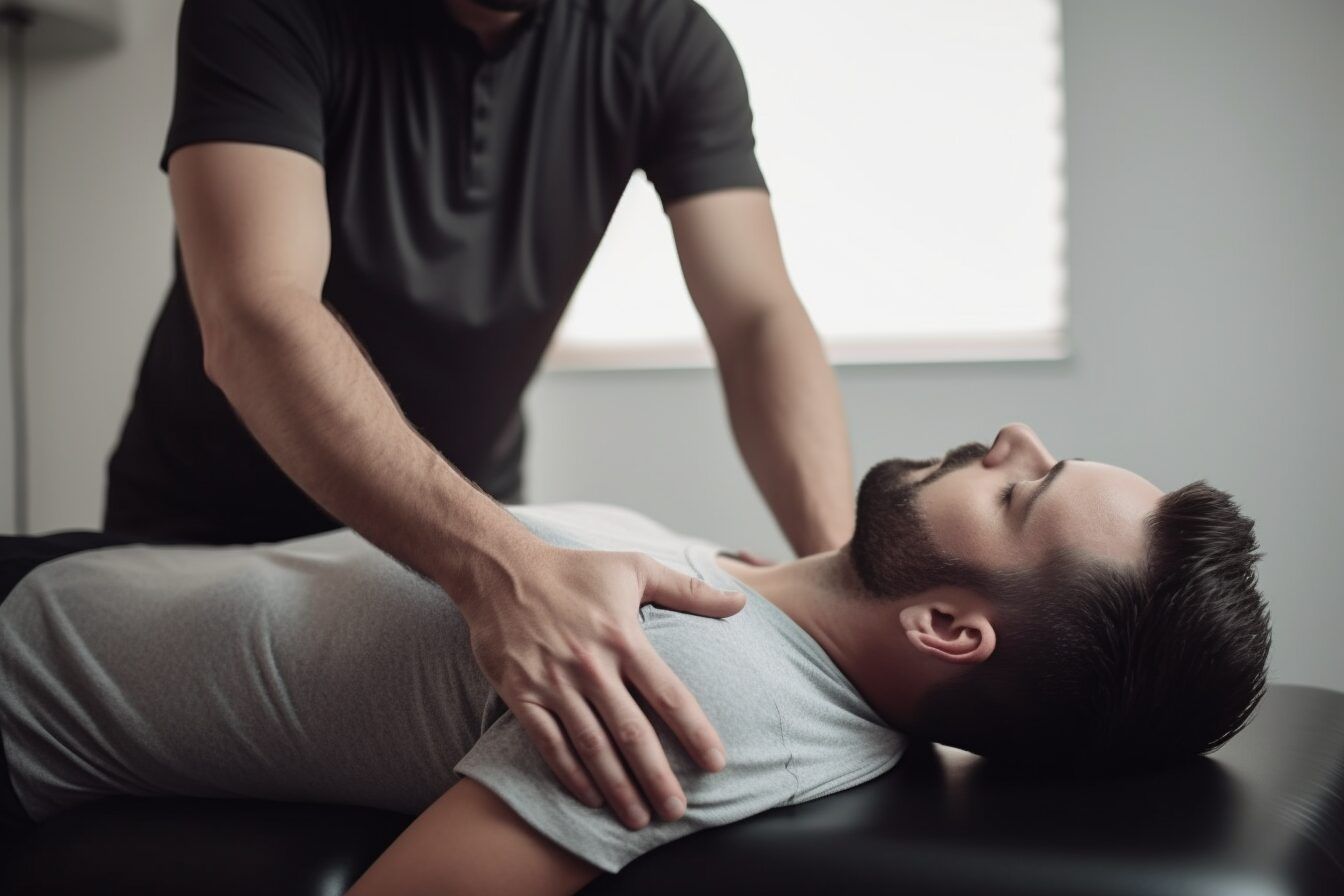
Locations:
column 954, row 459
column 957, row 458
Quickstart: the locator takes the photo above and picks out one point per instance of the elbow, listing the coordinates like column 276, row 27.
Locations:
column 235, row 328
column 217, row 311
column 217, row 351
column 783, row 325
column 227, row 341
column 210, row 360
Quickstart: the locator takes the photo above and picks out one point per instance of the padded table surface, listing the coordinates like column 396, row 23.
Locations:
column 1263, row 815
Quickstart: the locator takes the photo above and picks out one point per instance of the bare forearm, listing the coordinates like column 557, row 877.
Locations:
column 789, row 422
column 307, row 393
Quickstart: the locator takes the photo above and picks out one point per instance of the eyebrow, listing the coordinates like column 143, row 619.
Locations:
column 1045, row 483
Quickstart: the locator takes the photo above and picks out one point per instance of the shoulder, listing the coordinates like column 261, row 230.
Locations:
column 753, row 675
column 250, row 30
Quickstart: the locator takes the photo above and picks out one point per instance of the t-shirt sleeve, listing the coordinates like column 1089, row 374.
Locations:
column 755, row 779
column 252, row 71
column 699, row 135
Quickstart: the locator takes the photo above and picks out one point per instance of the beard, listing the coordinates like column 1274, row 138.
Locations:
column 510, row 5
column 892, row 549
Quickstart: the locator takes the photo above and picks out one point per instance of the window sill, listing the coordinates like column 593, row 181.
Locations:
column 1049, row 345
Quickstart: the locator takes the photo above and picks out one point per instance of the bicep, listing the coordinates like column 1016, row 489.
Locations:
column 470, row 841
column 730, row 256
column 251, row 222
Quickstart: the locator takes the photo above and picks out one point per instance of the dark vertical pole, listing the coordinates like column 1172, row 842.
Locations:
column 16, row 20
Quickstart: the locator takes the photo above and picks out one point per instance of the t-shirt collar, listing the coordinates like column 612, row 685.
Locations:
column 700, row 556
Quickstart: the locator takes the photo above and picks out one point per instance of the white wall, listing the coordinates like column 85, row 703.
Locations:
column 1206, row 263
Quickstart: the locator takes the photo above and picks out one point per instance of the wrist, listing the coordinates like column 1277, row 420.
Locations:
column 824, row 538
column 480, row 562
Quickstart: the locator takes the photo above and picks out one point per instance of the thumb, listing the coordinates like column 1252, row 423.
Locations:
column 674, row 591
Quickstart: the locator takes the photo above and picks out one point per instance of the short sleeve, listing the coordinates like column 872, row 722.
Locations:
column 699, row 136
column 735, row 700
column 252, row 71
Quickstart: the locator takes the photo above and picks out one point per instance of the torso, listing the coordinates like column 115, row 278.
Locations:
column 467, row 193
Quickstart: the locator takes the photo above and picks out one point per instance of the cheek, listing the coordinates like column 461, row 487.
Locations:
column 963, row 526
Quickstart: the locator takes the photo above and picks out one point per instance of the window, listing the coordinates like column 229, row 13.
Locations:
column 914, row 154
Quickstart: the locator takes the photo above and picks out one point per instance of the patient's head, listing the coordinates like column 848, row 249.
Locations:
column 1075, row 614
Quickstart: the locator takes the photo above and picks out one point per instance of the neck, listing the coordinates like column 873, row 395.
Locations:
column 490, row 26
column 863, row 637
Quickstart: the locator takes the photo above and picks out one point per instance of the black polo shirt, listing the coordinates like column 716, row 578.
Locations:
column 467, row 193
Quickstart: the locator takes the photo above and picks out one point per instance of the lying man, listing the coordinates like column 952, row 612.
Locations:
column 995, row 599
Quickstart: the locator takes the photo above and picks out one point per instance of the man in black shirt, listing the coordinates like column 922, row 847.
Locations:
column 382, row 209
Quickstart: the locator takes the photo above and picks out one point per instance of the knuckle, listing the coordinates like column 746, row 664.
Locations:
column 629, row 732
column 517, row 685
column 607, row 628
column 588, row 666
column 589, row 742
column 554, row 675
column 619, row 640
column 667, row 700
column 551, row 749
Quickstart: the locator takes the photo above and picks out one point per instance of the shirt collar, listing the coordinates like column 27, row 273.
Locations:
column 464, row 37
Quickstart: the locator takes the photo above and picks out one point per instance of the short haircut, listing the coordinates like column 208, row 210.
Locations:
column 1101, row 668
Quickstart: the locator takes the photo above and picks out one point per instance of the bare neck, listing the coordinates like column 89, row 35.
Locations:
column 490, row 26
column 862, row 636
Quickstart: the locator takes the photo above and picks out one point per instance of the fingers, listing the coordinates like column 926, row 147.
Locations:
column 675, row 591
column 551, row 742
column 572, row 697
column 594, row 747
column 676, row 705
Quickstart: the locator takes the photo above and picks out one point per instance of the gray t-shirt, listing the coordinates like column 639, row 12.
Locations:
column 321, row 669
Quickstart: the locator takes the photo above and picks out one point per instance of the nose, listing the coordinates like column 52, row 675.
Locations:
column 1018, row 443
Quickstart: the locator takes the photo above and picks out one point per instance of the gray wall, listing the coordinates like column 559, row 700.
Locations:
column 99, row 253
column 1206, row 257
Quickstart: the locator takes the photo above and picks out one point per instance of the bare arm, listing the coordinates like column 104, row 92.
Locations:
column 252, row 221
column 782, row 395
column 470, row 841
column 556, row 631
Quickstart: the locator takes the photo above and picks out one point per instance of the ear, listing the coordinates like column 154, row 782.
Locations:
column 947, row 631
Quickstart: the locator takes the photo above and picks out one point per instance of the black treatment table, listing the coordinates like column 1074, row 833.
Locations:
column 1263, row 815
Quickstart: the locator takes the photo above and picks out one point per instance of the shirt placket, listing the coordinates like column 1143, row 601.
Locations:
column 480, row 139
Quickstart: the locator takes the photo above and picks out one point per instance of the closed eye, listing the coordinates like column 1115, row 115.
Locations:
column 1006, row 495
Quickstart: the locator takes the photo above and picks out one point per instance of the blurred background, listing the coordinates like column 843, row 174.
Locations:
column 1203, row 250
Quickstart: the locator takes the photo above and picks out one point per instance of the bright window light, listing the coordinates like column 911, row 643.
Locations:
column 914, row 153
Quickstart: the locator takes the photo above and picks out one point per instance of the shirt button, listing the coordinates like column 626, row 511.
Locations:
column 482, row 111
